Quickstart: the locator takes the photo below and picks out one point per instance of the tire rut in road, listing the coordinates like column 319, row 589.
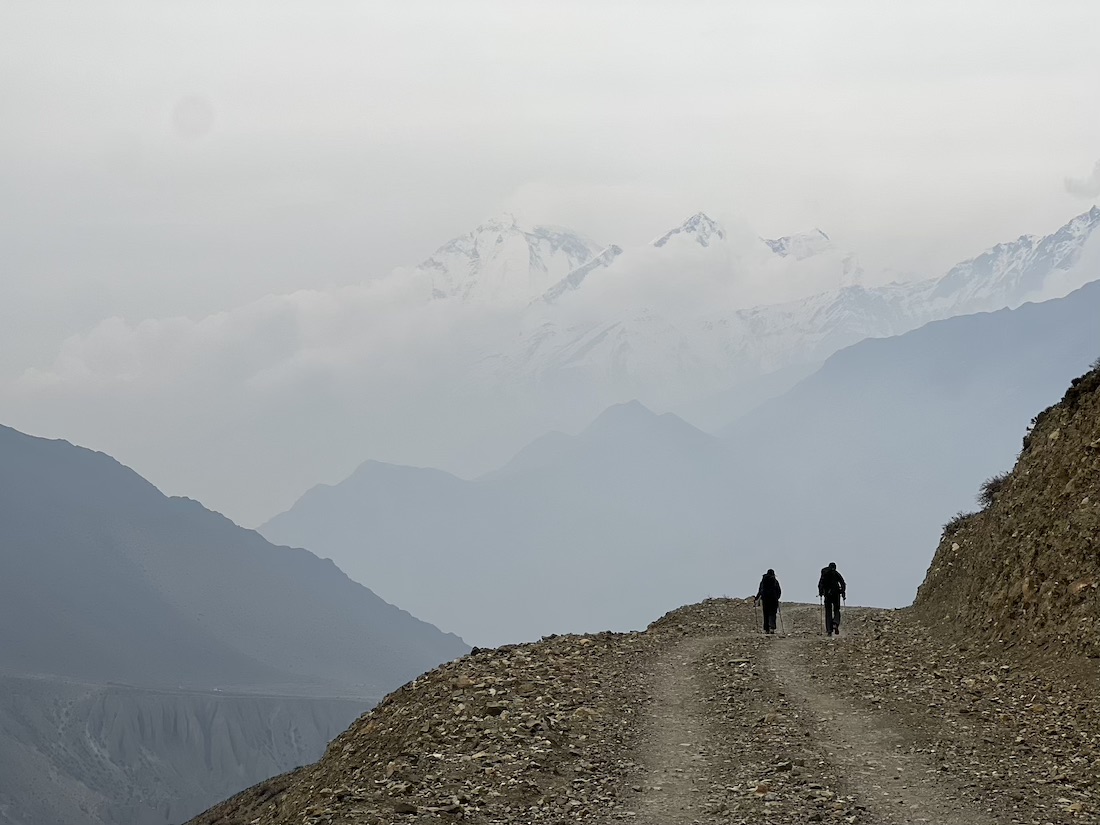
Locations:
column 871, row 751
column 677, row 780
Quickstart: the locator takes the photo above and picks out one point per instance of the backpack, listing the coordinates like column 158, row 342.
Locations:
column 830, row 581
column 769, row 587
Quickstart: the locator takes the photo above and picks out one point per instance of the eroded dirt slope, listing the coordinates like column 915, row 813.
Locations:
column 1026, row 569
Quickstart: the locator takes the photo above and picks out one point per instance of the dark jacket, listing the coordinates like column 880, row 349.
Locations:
column 769, row 589
column 831, row 583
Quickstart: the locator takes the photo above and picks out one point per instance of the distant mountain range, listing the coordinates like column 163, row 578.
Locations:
column 670, row 355
column 575, row 532
column 498, row 336
column 859, row 463
column 680, row 322
column 154, row 656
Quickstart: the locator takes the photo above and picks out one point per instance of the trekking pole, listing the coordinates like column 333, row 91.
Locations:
column 782, row 624
column 756, row 610
column 823, row 617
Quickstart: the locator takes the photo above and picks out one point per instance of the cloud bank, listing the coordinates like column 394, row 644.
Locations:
column 1088, row 187
column 309, row 383
column 245, row 408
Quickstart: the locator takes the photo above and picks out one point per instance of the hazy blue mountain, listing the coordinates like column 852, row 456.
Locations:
column 155, row 657
column 575, row 533
column 719, row 412
column 624, row 434
column 859, row 463
column 105, row 578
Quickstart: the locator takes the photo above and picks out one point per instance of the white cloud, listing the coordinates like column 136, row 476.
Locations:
column 306, row 385
column 1086, row 187
column 1062, row 282
column 267, row 344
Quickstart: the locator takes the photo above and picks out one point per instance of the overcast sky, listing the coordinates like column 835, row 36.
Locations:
column 160, row 159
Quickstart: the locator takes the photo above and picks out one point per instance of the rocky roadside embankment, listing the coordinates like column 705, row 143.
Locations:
column 524, row 733
column 1026, row 569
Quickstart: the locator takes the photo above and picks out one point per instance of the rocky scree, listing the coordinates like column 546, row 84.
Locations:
column 1022, row 741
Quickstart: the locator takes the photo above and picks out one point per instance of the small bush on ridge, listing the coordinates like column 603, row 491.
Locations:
column 956, row 522
column 990, row 487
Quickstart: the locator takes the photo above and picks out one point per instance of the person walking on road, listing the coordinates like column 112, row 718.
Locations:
column 832, row 589
column 769, row 593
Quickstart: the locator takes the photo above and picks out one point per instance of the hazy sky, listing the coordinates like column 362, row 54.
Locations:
column 168, row 157
column 161, row 159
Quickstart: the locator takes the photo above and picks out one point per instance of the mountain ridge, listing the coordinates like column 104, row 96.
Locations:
column 671, row 356
column 84, row 525
column 478, row 265
column 155, row 656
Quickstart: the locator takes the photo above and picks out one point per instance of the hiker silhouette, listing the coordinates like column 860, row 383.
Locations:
column 832, row 589
column 769, row 593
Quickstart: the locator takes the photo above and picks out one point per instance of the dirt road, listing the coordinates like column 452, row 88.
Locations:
column 796, row 728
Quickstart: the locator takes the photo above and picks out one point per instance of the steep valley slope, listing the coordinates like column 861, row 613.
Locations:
column 155, row 657
column 953, row 712
column 107, row 579
column 84, row 754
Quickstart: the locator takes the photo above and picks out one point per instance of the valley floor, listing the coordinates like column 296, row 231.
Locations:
column 702, row 719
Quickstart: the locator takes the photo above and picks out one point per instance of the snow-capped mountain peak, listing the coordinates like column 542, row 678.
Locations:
column 700, row 228
column 1084, row 223
column 575, row 278
column 501, row 260
column 667, row 352
column 671, row 340
column 1010, row 273
column 801, row 245
column 502, row 222
column 1067, row 242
